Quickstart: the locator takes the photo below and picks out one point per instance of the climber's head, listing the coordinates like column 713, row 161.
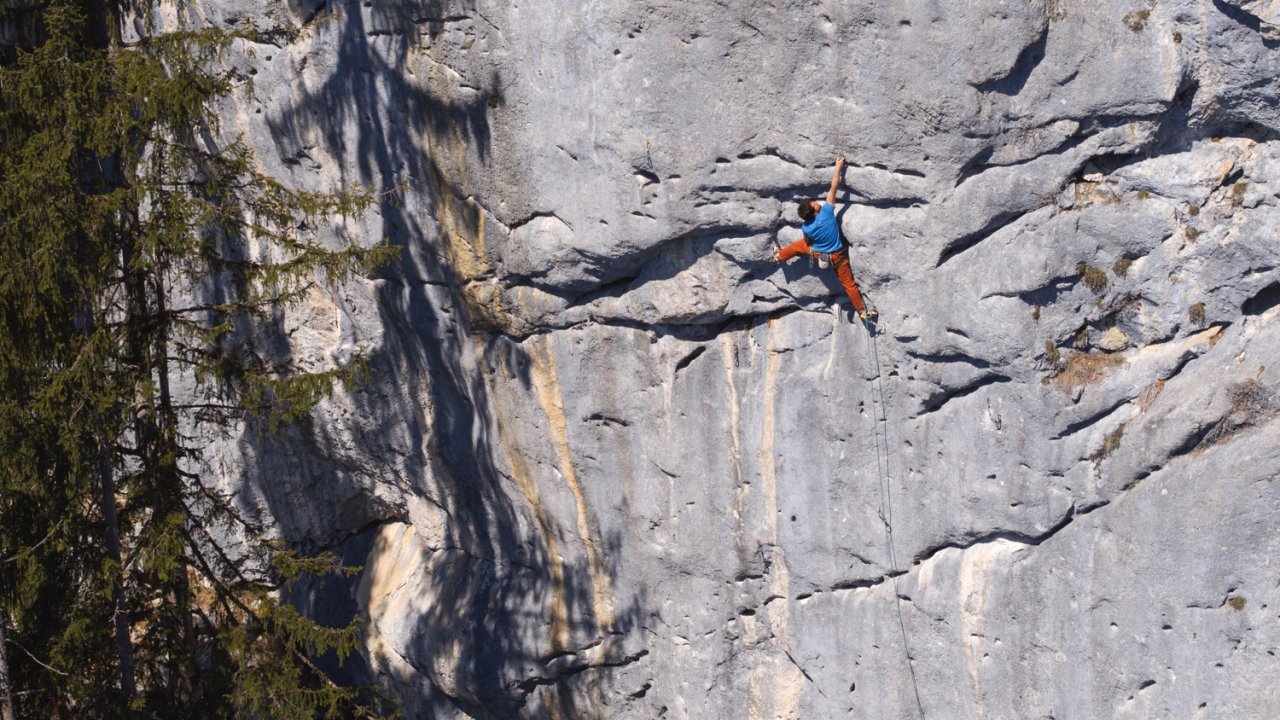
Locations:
column 807, row 209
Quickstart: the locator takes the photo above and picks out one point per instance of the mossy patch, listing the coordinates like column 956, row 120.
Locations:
column 1191, row 233
column 1237, row 603
column 1121, row 267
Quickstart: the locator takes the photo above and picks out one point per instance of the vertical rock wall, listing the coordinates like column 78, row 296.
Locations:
column 614, row 462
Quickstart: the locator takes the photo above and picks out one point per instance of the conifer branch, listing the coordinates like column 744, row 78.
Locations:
column 29, row 550
column 35, row 659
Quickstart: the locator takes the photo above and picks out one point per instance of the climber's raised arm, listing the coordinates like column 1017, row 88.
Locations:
column 835, row 180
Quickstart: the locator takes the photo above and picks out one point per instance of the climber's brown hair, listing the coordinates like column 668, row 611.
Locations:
column 805, row 210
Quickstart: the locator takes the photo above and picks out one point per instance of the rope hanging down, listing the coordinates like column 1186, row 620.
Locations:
column 881, row 426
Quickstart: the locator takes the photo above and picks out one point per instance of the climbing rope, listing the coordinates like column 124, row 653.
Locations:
column 880, row 417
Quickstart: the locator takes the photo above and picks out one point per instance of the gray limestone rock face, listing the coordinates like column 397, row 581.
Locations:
column 614, row 461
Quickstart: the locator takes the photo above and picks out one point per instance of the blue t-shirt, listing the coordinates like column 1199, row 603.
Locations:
column 823, row 231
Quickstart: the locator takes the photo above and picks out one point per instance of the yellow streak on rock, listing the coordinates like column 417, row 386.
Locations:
column 776, row 684
column 768, row 473
column 729, row 351
column 461, row 220
column 462, row 230
column 547, row 385
column 558, row 629
column 393, row 559
column 775, row 689
column 975, row 580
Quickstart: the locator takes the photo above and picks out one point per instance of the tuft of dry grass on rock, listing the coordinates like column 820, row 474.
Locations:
column 1109, row 444
column 1080, row 369
column 1121, row 267
column 1149, row 395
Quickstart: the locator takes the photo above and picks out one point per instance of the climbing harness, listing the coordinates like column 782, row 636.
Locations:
column 881, row 428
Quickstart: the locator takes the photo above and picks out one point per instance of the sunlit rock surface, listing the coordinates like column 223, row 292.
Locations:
column 614, row 462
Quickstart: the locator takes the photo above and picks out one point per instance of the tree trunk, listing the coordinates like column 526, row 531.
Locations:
column 124, row 647
column 6, row 688
column 184, row 679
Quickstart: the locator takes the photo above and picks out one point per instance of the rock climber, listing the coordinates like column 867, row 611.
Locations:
column 822, row 240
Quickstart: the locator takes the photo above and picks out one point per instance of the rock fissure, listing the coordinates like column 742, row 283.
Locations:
column 995, row 224
column 1092, row 420
column 935, row 401
column 532, row 682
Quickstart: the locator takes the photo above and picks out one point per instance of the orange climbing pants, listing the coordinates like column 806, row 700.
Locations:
column 839, row 262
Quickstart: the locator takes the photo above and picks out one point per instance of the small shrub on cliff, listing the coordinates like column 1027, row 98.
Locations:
column 1051, row 354
column 1136, row 20
column 1121, row 267
column 1251, row 404
column 1251, row 400
column 1095, row 279
column 1237, row 193
column 1196, row 313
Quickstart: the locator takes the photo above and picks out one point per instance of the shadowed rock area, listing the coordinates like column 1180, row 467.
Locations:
column 613, row 461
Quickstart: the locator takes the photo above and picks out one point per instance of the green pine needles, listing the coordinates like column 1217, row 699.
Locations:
column 137, row 256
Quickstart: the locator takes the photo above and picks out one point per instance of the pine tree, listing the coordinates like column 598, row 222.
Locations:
column 137, row 256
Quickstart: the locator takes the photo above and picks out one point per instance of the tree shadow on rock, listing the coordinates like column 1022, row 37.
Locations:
column 480, row 635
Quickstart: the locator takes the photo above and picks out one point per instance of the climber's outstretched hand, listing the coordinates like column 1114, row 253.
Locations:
column 835, row 180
